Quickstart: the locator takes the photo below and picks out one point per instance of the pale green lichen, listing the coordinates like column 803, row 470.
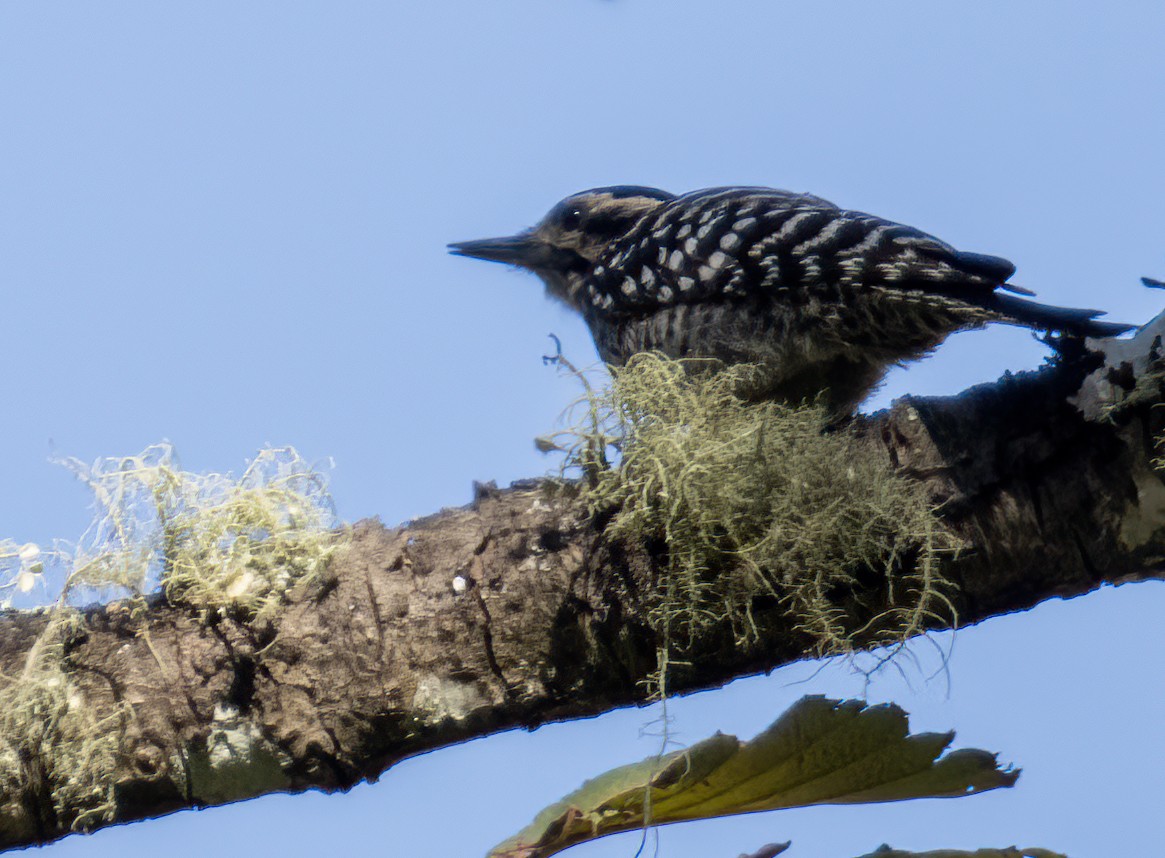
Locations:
column 213, row 542
column 52, row 738
column 210, row 542
column 756, row 499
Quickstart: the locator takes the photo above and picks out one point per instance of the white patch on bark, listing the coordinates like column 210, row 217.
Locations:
column 438, row 699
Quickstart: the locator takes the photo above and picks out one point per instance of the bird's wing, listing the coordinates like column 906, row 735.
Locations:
column 838, row 246
column 792, row 239
column 799, row 242
column 735, row 242
column 907, row 243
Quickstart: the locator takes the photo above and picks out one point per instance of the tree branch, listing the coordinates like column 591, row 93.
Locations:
column 517, row 610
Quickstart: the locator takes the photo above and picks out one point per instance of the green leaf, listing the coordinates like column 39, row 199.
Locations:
column 820, row 751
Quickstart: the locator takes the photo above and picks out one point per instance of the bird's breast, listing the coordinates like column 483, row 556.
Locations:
column 731, row 331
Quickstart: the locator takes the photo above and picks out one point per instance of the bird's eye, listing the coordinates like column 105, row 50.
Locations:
column 572, row 219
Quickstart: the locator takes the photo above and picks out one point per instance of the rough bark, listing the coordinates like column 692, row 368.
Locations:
column 517, row 610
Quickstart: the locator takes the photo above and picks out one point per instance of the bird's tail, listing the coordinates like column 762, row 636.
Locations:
column 1070, row 320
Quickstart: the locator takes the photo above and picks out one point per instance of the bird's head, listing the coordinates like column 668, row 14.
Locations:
column 565, row 246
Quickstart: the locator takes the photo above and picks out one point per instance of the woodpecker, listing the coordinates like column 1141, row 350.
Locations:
column 824, row 299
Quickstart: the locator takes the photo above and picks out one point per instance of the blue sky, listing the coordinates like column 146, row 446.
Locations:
column 224, row 224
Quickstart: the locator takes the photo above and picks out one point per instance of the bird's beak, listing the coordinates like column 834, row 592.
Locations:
column 522, row 249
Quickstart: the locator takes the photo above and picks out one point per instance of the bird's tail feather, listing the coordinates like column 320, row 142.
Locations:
column 1067, row 319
